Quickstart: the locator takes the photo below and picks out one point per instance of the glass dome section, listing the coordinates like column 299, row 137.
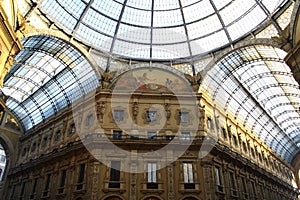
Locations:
column 255, row 86
column 48, row 75
column 159, row 29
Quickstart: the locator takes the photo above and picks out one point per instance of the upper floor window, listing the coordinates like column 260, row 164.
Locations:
column 229, row 130
column 47, row 185
column 152, row 175
column 244, row 187
column 33, row 147
column 259, row 157
column 151, row 116
column 224, row 134
column 232, row 184
column 22, row 190
column 117, row 134
column 80, row 178
column 245, row 147
column 184, row 117
column 152, row 135
column 186, row 136
column 151, row 172
column 118, row 115
column 33, row 188
column 253, row 187
column 89, row 120
column 210, row 124
column 57, row 135
column 188, row 175
column 235, row 141
column 45, row 141
column 114, row 176
column 63, row 176
column 72, row 128
column 252, row 152
column 218, row 176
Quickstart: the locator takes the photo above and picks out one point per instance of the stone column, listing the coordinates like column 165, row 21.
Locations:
column 133, row 180
column 171, row 187
column 208, row 181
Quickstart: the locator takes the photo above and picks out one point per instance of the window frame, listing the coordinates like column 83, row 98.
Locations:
column 118, row 115
column 151, row 116
column 184, row 117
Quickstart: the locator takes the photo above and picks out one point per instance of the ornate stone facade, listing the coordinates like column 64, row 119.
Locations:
column 222, row 161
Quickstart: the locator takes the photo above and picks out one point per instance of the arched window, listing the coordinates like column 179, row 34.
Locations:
column 152, row 198
column 113, row 198
column 190, row 198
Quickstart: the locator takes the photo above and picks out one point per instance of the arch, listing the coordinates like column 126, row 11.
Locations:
column 242, row 79
column 64, row 37
column 190, row 198
column 152, row 197
column 225, row 52
column 295, row 23
column 114, row 197
column 169, row 79
column 150, row 66
column 11, row 156
column 51, row 70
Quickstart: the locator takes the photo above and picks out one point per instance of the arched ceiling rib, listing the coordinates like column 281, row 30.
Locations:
column 47, row 76
column 256, row 86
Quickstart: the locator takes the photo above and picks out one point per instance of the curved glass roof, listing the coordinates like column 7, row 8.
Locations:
column 257, row 87
column 160, row 29
column 48, row 75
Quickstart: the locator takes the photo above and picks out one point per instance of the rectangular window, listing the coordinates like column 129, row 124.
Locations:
column 253, row 189
column 114, row 178
column 118, row 115
column 152, row 135
column 184, row 117
column 188, row 176
column 186, row 136
column 57, row 135
column 210, row 124
column 229, row 130
column 151, row 172
column 33, row 188
column 188, row 173
column 232, row 184
column 12, row 194
column 80, row 177
column 262, row 191
column 62, row 181
column 72, row 129
column 151, row 176
column 151, row 116
column 244, row 186
column 218, row 179
column 89, row 120
column 224, row 134
column 232, row 180
column 117, row 135
column 22, row 190
column 47, row 185
column 235, row 142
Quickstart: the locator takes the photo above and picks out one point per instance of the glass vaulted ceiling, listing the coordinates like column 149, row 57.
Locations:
column 48, row 75
column 258, row 89
column 159, row 29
